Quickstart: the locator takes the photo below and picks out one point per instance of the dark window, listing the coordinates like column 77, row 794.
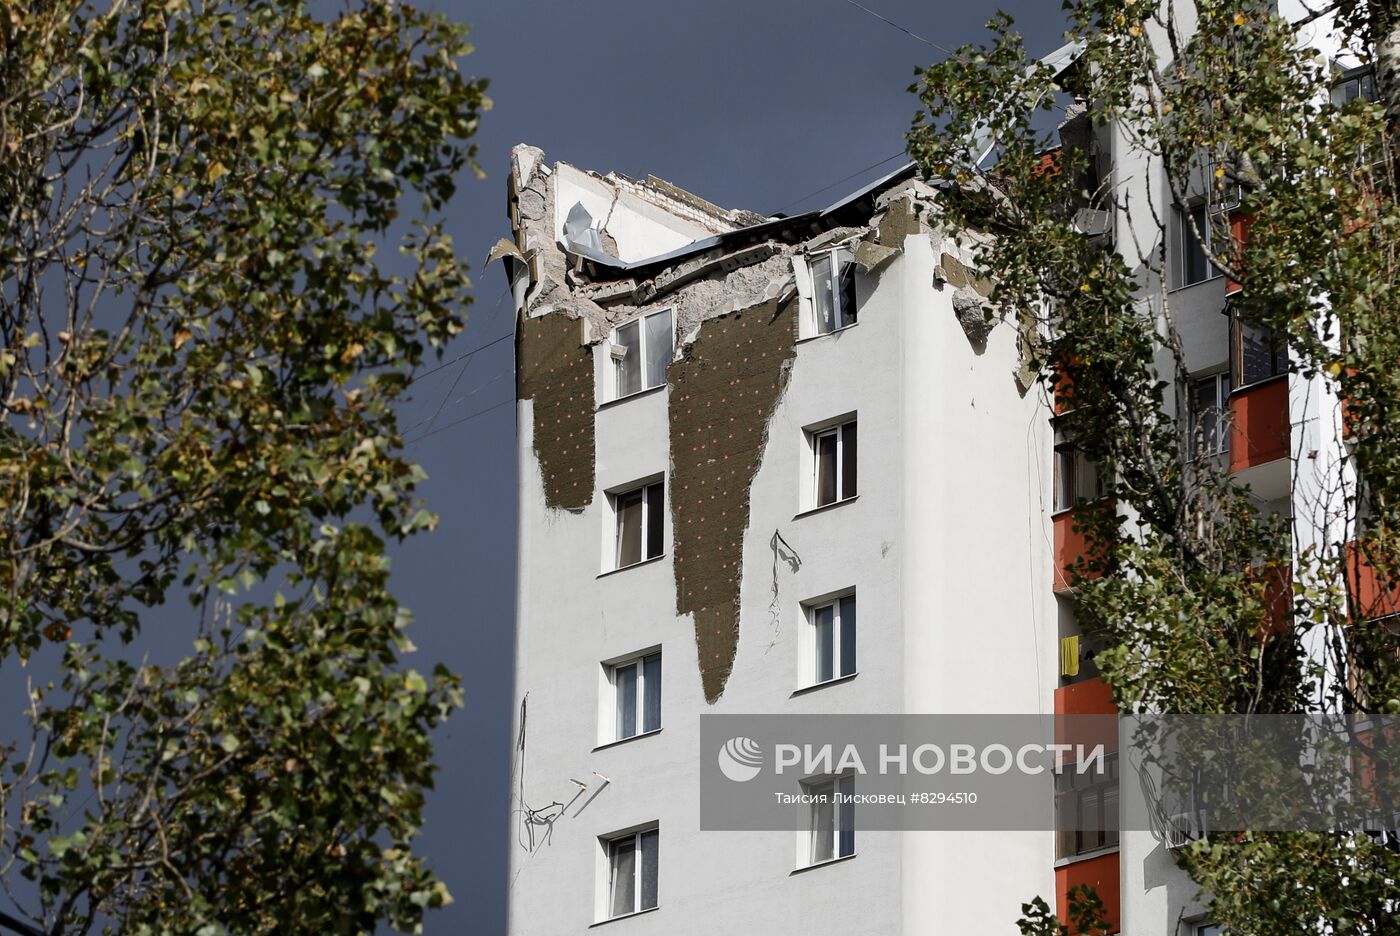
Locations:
column 835, row 451
column 641, row 517
column 1086, row 809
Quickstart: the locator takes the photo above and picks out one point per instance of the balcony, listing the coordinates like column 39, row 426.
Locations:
column 1072, row 543
column 1259, row 436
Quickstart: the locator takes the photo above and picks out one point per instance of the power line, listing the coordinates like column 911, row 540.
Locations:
column 461, row 357
column 908, row 32
column 798, row 201
column 458, row 422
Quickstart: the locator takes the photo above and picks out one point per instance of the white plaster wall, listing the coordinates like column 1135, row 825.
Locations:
column 948, row 548
column 641, row 229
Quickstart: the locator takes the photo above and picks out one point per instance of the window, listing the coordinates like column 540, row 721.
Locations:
column 1076, row 478
column 1192, row 264
column 632, row 871
column 835, row 457
column 831, row 829
column 1209, row 929
column 1255, row 353
column 1358, row 86
column 833, row 290
column 833, row 639
column 641, row 517
column 636, row 691
column 641, row 351
column 1210, row 404
column 1086, row 809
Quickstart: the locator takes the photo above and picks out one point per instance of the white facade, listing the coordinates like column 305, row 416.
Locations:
column 947, row 549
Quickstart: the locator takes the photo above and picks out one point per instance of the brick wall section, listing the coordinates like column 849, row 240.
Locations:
column 723, row 393
column 554, row 367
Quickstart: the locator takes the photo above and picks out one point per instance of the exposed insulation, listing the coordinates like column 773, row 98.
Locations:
column 554, row 367
column 723, row 393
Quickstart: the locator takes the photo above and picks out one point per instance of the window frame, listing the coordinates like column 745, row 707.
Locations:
column 814, row 437
column 1278, row 354
column 1106, row 839
column 1184, row 239
column 1222, row 382
column 644, row 544
column 843, row 827
column 1066, row 451
column 608, row 878
column 613, row 711
column 810, row 645
column 615, row 361
column 841, row 258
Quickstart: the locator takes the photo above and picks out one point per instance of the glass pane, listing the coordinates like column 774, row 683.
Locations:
column 823, row 822
column 658, row 347
column 1260, row 356
column 1064, row 478
column 846, row 819
column 624, row 876
column 848, row 635
column 650, row 868
column 651, row 692
column 629, row 368
column 625, row 683
column 629, row 528
column 824, row 626
column 656, row 519
column 847, row 294
column 821, row 294
column 826, row 469
column 848, row 460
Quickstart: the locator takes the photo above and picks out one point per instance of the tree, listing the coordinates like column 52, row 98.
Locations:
column 1192, row 569
column 201, row 355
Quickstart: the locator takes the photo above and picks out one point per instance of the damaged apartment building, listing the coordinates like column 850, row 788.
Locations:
column 801, row 465
column 767, row 465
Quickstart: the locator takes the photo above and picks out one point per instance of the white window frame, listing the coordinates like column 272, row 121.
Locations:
column 1219, row 444
column 838, row 256
column 808, row 645
column 614, row 541
column 606, row 882
column 1087, row 479
column 612, row 714
column 842, row 821
column 1183, row 240
column 616, row 353
column 814, row 437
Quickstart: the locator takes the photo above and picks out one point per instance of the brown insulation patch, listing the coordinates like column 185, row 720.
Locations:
column 723, row 393
column 555, row 369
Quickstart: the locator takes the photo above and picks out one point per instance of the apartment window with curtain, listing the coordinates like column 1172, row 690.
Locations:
column 1086, row 809
column 831, row 829
column 834, row 463
column 833, row 290
column 1189, row 251
column 832, row 635
column 1077, row 479
column 1210, row 403
column 636, row 696
column 640, row 518
column 633, row 865
column 641, row 352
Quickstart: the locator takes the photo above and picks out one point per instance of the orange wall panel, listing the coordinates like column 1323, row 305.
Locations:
column 1259, row 424
column 1101, row 874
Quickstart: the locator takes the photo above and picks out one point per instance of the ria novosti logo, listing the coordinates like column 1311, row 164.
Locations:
column 740, row 759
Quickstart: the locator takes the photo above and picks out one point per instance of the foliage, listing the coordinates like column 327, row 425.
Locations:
column 201, row 354
column 1212, row 602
